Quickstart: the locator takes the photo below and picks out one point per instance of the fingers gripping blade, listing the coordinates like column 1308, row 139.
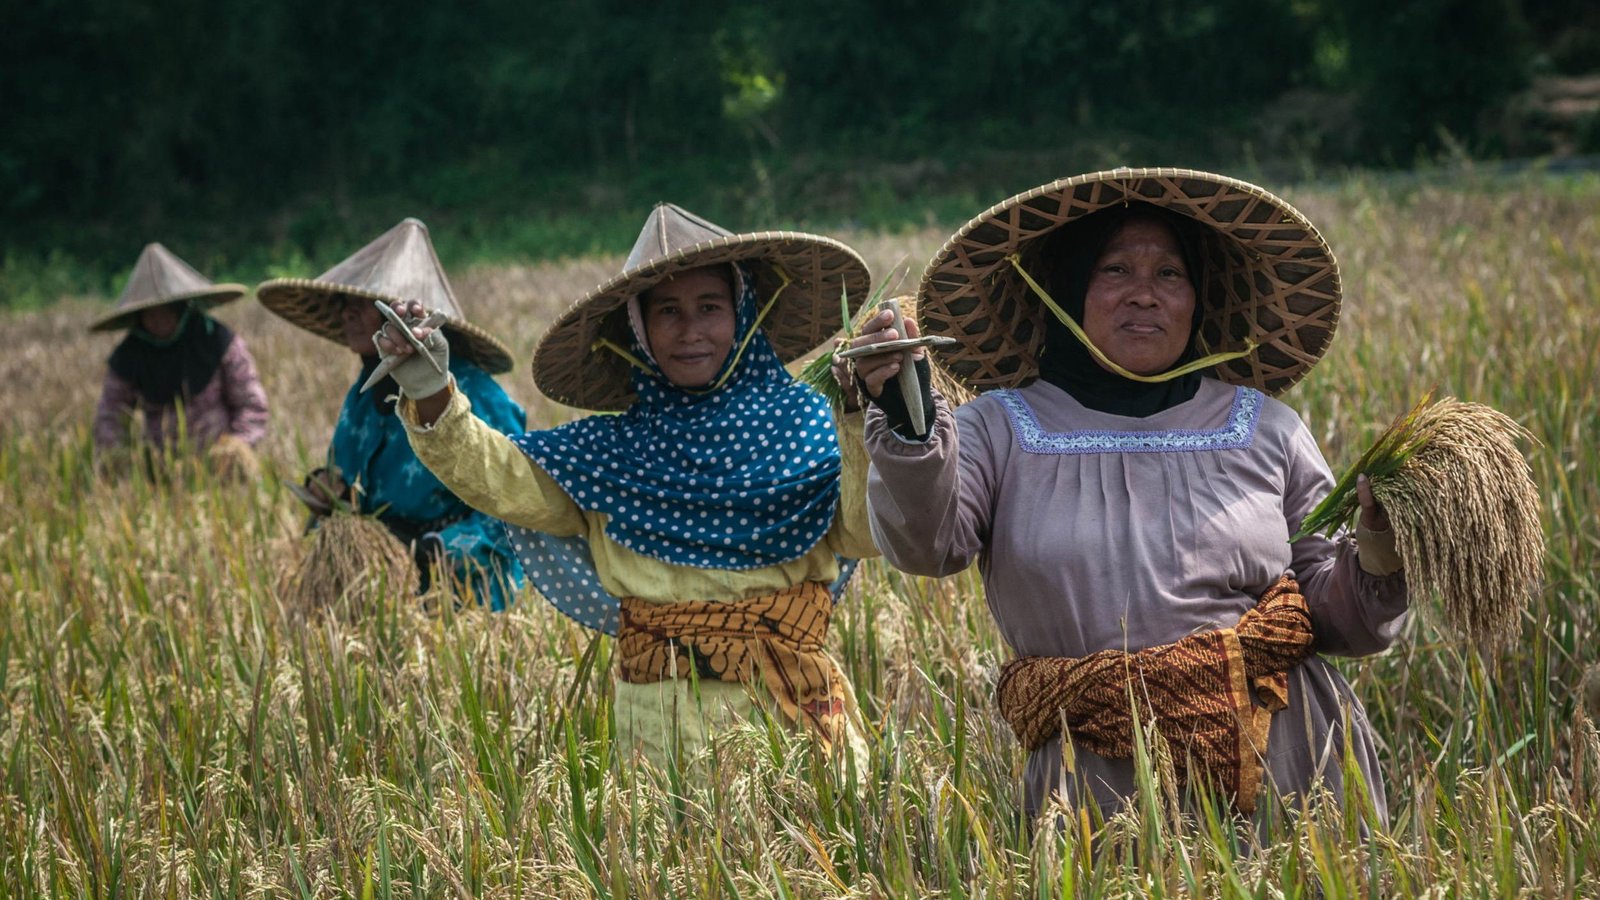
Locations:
column 433, row 320
column 910, row 385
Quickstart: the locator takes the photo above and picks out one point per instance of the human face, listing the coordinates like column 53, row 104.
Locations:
column 160, row 321
column 361, row 321
column 688, row 321
column 1140, row 303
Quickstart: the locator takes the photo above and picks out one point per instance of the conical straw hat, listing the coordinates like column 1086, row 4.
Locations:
column 568, row 368
column 399, row 265
column 159, row 278
column 1269, row 277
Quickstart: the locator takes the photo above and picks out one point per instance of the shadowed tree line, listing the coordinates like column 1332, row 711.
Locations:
column 120, row 117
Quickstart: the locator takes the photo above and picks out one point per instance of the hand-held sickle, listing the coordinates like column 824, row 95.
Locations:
column 910, row 384
column 433, row 320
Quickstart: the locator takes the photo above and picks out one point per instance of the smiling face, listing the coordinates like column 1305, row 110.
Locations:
column 689, row 323
column 361, row 321
column 1140, row 302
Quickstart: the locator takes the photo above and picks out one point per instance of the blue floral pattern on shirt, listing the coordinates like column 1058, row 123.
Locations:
column 373, row 454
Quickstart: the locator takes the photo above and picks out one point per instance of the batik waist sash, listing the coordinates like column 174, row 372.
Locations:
column 1210, row 695
column 776, row 638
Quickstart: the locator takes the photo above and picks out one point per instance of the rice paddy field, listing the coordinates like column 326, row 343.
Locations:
column 171, row 727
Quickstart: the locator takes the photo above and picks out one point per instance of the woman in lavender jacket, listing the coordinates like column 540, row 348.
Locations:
column 1128, row 485
column 188, row 374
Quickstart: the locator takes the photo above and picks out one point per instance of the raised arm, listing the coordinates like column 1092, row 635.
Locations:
column 482, row 467
column 474, row 459
column 929, row 502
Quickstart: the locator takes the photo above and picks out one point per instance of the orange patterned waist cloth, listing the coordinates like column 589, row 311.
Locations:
column 1210, row 695
column 778, row 639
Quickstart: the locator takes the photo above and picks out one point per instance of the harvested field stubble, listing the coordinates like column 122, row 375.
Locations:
column 168, row 726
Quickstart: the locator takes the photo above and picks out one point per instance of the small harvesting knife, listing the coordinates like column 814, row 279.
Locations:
column 910, row 385
column 927, row 340
column 433, row 320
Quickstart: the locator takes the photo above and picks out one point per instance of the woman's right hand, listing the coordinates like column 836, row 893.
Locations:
column 323, row 488
column 875, row 371
column 417, row 377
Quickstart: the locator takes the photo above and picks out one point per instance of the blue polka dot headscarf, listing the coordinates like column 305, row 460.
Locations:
column 742, row 476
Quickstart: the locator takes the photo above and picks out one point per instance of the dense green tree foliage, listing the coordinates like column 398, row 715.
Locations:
column 118, row 117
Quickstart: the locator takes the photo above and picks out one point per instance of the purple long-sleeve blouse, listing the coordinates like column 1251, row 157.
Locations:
column 1094, row 531
column 233, row 402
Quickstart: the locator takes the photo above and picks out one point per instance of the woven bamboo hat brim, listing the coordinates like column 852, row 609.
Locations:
column 160, row 277
column 399, row 265
column 1269, row 277
column 568, row 369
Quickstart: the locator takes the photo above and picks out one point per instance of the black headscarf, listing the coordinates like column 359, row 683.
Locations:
column 1065, row 260
column 164, row 369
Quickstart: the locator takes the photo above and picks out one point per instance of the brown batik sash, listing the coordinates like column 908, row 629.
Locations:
column 1198, row 690
column 776, row 637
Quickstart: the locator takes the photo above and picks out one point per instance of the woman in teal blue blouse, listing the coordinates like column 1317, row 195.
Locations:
column 371, row 464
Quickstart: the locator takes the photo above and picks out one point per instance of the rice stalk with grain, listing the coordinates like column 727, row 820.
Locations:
column 1464, row 509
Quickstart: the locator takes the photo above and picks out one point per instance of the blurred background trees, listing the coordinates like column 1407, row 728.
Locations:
column 293, row 122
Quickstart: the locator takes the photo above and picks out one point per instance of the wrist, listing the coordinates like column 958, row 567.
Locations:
column 1376, row 551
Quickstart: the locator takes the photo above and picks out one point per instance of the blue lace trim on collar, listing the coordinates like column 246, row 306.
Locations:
column 1236, row 433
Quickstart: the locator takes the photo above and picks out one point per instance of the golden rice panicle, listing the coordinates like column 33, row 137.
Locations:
column 350, row 562
column 1465, row 512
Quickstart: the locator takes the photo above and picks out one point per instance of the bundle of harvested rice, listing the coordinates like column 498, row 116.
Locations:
column 233, row 460
column 1464, row 509
column 350, row 560
column 818, row 373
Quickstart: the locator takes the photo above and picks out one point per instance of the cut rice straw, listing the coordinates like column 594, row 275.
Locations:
column 1464, row 510
column 818, row 373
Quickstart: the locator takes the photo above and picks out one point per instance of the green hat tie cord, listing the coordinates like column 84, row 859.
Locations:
column 1099, row 355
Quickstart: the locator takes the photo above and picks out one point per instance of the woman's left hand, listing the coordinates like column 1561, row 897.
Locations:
column 1375, row 545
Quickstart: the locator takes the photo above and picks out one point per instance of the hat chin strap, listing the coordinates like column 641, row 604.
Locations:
column 744, row 343
column 1103, row 359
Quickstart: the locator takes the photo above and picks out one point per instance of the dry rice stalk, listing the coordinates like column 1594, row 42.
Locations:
column 350, row 561
column 233, row 460
column 1591, row 692
column 1465, row 513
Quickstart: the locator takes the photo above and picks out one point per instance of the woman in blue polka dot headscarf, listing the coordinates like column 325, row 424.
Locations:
column 703, row 524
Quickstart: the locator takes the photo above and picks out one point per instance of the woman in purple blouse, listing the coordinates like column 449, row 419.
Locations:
column 1128, row 485
column 188, row 374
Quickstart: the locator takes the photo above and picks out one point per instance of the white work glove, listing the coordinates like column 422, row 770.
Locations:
column 419, row 373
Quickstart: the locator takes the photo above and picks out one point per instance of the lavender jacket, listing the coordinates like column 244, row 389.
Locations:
column 232, row 403
column 1095, row 531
